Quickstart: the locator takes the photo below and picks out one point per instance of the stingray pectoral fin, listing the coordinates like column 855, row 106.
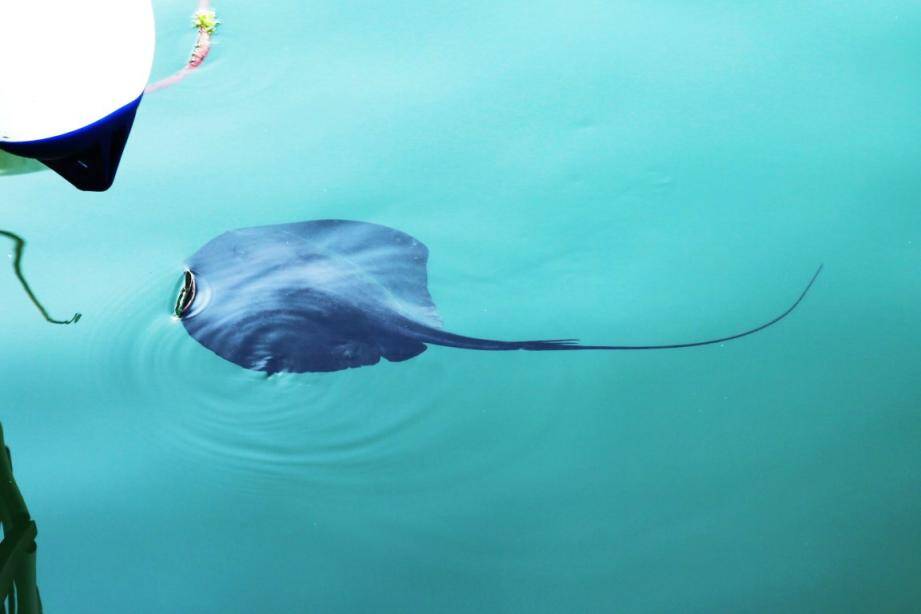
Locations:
column 448, row 339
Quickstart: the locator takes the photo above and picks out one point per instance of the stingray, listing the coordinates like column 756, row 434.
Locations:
column 328, row 295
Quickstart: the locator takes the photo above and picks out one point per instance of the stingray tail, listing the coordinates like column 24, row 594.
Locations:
column 439, row 337
column 451, row 340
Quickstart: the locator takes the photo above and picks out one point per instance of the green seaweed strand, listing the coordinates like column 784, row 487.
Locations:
column 20, row 246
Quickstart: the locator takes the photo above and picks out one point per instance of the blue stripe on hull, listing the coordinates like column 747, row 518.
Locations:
column 88, row 157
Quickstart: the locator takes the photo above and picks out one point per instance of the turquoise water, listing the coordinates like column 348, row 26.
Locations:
column 620, row 172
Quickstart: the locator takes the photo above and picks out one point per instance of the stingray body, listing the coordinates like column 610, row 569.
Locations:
column 328, row 295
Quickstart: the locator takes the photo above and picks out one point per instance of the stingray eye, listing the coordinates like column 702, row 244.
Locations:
column 186, row 294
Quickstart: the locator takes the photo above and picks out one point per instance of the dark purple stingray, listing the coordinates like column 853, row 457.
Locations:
column 330, row 295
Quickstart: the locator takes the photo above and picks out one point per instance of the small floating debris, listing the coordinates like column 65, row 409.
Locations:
column 206, row 22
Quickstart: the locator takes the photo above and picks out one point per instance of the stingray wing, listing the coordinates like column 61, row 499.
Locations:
column 366, row 264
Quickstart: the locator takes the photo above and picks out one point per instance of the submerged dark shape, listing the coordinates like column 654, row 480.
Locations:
column 328, row 295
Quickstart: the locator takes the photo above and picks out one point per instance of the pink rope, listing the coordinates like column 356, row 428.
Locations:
column 199, row 53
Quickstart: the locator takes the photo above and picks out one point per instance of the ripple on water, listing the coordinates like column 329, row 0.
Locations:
column 420, row 426
column 233, row 422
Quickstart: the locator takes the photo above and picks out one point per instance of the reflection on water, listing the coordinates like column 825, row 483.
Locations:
column 14, row 165
column 19, row 246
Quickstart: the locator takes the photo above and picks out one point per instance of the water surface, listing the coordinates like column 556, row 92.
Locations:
column 619, row 172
